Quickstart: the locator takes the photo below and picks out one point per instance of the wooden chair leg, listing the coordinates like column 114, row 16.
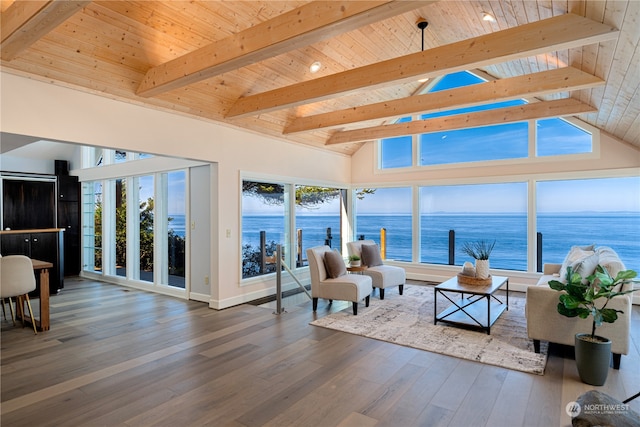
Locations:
column 33, row 321
column 401, row 287
column 315, row 304
column 355, row 308
column 381, row 293
column 4, row 310
column 366, row 300
column 20, row 308
column 13, row 317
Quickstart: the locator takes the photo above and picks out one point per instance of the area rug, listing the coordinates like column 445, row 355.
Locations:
column 408, row 320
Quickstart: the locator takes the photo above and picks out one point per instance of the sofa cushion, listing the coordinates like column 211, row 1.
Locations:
column 576, row 254
column 371, row 255
column 334, row 264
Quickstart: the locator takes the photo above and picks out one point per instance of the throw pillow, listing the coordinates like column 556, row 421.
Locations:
column 585, row 267
column 610, row 260
column 371, row 255
column 576, row 253
column 334, row 264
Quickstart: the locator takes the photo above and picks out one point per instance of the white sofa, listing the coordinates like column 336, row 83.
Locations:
column 544, row 323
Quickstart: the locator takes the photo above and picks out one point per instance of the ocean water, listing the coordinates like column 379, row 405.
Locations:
column 620, row 231
column 177, row 223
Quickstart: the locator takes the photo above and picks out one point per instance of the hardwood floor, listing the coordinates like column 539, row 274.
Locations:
column 121, row 357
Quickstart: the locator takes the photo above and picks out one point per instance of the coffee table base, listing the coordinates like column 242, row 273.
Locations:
column 478, row 312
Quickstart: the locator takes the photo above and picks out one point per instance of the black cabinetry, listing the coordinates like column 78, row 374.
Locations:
column 45, row 245
column 69, row 220
column 28, row 203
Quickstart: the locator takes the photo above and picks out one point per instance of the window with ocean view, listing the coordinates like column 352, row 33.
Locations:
column 388, row 208
column 604, row 212
column 174, row 190
column 474, row 212
column 123, row 218
column 264, row 225
column 144, row 237
column 318, row 213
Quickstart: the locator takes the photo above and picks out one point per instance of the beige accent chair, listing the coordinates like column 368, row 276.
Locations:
column 383, row 276
column 544, row 323
column 17, row 280
column 348, row 287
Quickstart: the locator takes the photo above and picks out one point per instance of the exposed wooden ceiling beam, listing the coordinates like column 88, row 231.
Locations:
column 303, row 26
column 560, row 32
column 531, row 85
column 25, row 22
column 538, row 110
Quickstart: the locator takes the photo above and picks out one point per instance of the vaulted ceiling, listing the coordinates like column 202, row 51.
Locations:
column 246, row 63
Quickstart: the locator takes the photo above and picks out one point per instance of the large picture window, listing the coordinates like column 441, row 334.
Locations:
column 318, row 219
column 490, row 142
column 604, row 212
column 386, row 211
column 453, row 215
column 264, row 225
column 558, row 136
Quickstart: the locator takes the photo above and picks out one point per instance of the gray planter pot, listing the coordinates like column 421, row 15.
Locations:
column 593, row 358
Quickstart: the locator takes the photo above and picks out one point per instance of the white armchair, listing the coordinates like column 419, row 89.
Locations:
column 344, row 287
column 383, row 276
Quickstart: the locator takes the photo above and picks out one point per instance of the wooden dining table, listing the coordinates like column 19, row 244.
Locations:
column 42, row 322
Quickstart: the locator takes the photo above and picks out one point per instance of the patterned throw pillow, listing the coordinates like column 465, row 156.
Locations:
column 334, row 264
column 371, row 255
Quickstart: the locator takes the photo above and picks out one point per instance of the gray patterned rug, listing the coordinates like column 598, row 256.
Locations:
column 408, row 320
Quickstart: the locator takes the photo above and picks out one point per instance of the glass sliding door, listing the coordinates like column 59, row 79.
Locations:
column 120, row 232
column 92, row 226
column 174, row 189
column 144, row 186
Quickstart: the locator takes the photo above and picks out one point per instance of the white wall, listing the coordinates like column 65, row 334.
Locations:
column 202, row 216
column 49, row 111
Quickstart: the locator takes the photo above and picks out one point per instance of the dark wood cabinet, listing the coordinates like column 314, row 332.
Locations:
column 69, row 220
column 28, row 204
column 44, row 244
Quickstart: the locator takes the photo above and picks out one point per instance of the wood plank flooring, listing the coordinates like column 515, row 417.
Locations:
column 122, row 357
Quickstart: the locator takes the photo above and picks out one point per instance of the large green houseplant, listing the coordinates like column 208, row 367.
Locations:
column 589, row 297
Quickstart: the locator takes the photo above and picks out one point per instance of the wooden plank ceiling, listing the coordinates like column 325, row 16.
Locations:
column 246, row 63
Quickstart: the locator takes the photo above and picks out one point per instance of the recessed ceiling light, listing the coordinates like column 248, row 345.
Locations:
column 315, row 67
column 488, row 17
column 423, row 80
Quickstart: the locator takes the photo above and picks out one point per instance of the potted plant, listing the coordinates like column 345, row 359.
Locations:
column 480, row 251
column 354, row 261
column 593, row 352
